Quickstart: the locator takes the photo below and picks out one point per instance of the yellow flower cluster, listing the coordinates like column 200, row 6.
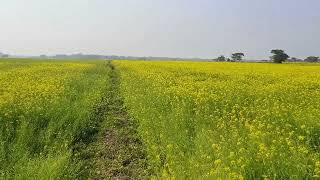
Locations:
column 226, row 120
column 44, row 106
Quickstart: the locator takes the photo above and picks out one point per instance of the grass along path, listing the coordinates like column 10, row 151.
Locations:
column 45, row 107
column 117, row 151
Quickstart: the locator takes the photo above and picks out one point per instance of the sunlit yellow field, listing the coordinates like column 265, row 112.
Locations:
column 45, row 107
column 226, row 120
column 196, row 120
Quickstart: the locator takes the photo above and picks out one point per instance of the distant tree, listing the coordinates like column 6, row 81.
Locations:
column 312, row 59
column 5, row 55
column 237, row 56
column 279, row 56
column 43, row 56
column 293, row 59
column 221, row 58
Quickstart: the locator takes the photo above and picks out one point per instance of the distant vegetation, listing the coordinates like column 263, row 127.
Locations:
column 221, row 58
column 279, row 56
column 4, row 55
column 237, row 56
column 312, row 59
column 113, row 57
column 234, row 57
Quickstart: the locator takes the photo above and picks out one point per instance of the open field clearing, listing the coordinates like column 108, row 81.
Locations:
column 160, row 90
column 45, row 108
column 167, row 120
column 226, row 120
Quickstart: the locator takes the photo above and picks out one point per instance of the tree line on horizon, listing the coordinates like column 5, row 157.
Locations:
column 279, row 56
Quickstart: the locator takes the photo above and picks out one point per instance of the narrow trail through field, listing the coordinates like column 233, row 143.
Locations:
column 117, row 152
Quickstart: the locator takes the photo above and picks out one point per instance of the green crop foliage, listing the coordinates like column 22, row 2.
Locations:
column 226, row 120
column 45, row 108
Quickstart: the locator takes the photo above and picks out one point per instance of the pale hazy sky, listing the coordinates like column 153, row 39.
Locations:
column 185, row 28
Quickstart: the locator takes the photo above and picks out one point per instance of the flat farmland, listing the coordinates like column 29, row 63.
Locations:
column 226, row 120
column 45, row 108
column 167, row 120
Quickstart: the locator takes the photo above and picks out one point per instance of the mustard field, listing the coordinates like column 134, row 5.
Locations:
column 45, row 107
column 185, row 120
column 226, row 120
